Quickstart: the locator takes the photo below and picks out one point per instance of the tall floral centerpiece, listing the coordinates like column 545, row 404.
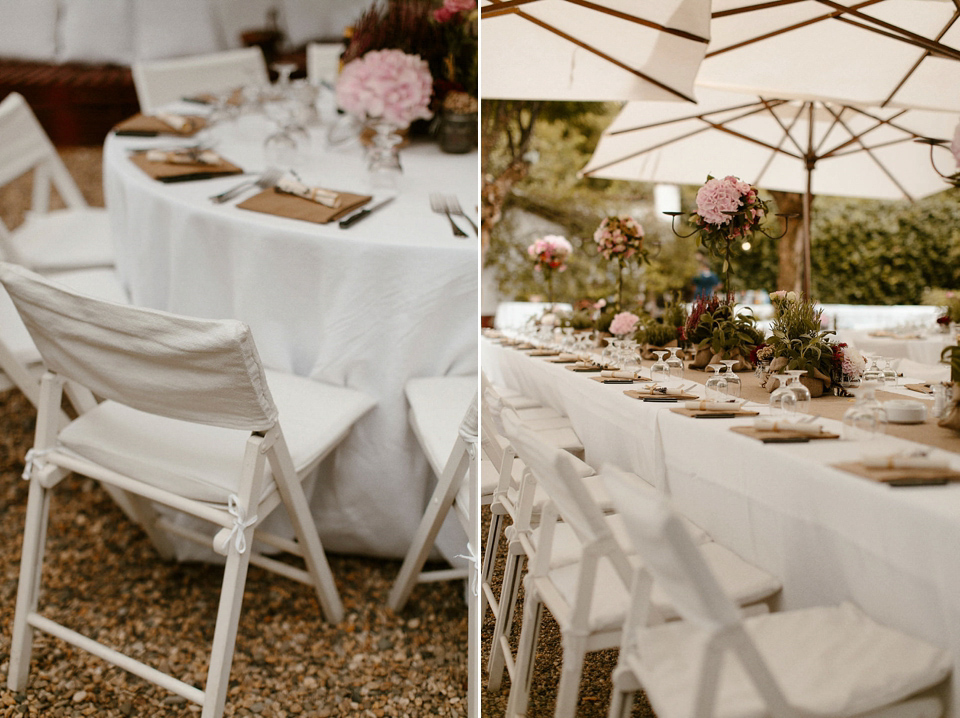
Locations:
column 620, row 237
column 387, row 90
column 549, row 255
column 729, row 210
column 624, row 325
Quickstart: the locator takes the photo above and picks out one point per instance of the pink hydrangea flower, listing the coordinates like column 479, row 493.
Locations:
column 624, row 323
column 718, row 196
column 450, row 9
column 389, row 85
column 620, row 237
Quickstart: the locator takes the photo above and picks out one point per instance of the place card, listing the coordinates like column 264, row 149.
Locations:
column 281, row 204
column 919, row 476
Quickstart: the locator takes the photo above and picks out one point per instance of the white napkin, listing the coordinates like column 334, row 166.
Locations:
column 617, row 374
column 707, row 405
column 326, row 197
column 661, row 391
column 904, row 462
column 808, row 428
column 566, row 356
column 184, row 157
column 177, row 122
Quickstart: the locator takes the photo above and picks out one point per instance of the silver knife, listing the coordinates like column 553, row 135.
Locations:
column 357, row 216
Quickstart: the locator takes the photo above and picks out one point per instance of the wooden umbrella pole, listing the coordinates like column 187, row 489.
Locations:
column 807, row 202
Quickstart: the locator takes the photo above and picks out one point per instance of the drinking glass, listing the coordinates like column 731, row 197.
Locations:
column 608, row 355
column 783, row 401
column 734, row 385
column 631, row 360
column 801, row 392
column 660, row 370
column 676, row 365
column 872, row 372
column 867, row 418
column 716, row 387
column 889, row 372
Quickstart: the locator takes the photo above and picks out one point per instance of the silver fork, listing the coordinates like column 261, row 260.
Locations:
column 266, row 180
column 452, row 204
column 437, row 205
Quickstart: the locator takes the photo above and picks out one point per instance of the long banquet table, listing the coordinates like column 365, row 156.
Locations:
column 830, row 536
column 390, row 298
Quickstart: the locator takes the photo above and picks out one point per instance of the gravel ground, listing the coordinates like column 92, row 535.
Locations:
column 102, row 577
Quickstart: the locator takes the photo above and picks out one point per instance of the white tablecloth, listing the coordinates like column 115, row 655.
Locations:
column 828, row 535
column 393, row 297
column 925, row 350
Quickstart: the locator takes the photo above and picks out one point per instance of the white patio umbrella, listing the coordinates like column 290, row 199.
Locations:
column 812, row 147
column 592, row 50
column 863, row 52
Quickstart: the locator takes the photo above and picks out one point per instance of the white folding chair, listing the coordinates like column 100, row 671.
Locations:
column 588, row 597
column 76, row 237
column 160, row 82
column 826, row 661
column 189, row 419
column 323, row 62
column 444, row 417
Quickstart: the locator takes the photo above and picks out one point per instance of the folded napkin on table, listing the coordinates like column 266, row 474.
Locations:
column 161, row 124
column 711, row 405
column 184, row 157
column 183, row 164
column 794, row 427
column 326, row 197
column 904, row 462
column 565, row 356
column 662, row 390
column 617, row 374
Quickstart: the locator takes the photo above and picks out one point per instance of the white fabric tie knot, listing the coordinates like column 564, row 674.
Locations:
column 471, row 558
column 33, row 458
column 240, row 523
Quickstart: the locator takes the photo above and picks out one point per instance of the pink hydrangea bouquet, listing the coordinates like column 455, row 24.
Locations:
column 620, row 237
column 624, row 324
column 550, row 254
column 387, row 85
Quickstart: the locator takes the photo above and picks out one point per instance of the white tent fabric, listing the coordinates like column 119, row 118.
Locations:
column 767, row 142
column 881, row 53
column 603, row 50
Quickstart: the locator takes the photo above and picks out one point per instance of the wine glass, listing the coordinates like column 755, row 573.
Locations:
column 608, row 355
column 801, row 392
column 872, row 372
column 631, row 360
column 660, row 370
column 734, row 385
column 782, row 400
column 716, row 387
column 676, row 365
column 867, row 418
column 889, row 372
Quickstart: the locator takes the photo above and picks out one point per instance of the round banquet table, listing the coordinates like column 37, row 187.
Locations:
column 368, row 307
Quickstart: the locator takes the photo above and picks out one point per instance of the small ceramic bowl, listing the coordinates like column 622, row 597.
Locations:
column 905, row 411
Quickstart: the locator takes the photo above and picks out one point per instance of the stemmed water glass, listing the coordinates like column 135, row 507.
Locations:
column 609, row 353
column 734, row 385
column 889, row 373
column 801, row 392
column 660, row 370
column 866, row 418
column 676, row 365
column 873, row 372
column 716, row 386
column 782, row 400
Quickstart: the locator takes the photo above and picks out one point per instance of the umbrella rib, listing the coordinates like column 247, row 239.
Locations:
column 879, row 164
column 754, row 108
column 923, row 57
column 509, row 7
column 603, row 55
column 786, row 130
column 645, row 150
column 781, row 31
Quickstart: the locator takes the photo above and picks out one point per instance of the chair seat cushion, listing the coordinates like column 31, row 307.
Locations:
column 828, row 660
column 437, row 407
column 204, row 462
column 64, row 239
column 744, row 583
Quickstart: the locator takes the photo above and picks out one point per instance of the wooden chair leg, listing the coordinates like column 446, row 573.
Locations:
column 28, row 589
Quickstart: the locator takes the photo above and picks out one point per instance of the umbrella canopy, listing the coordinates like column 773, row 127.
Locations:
column 812, row 147
column 865, row 52
column 600, row 50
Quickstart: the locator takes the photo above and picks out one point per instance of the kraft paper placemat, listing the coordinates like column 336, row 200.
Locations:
column 543, row 353
column 922, row 388
column 167, row 170
column 771, row 437
column 901, row 477
column 147, row 124
column 581, row 367
column 270, row 201
column 617, row 380
column 654, row 396
column 714, row 414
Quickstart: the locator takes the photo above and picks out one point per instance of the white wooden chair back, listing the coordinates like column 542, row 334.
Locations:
column 160, row 82
column 24, row 146
column 671, row 556
column 204, row 371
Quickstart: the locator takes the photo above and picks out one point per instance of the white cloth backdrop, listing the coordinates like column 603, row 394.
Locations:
column 393, row 297
column 828, row 535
